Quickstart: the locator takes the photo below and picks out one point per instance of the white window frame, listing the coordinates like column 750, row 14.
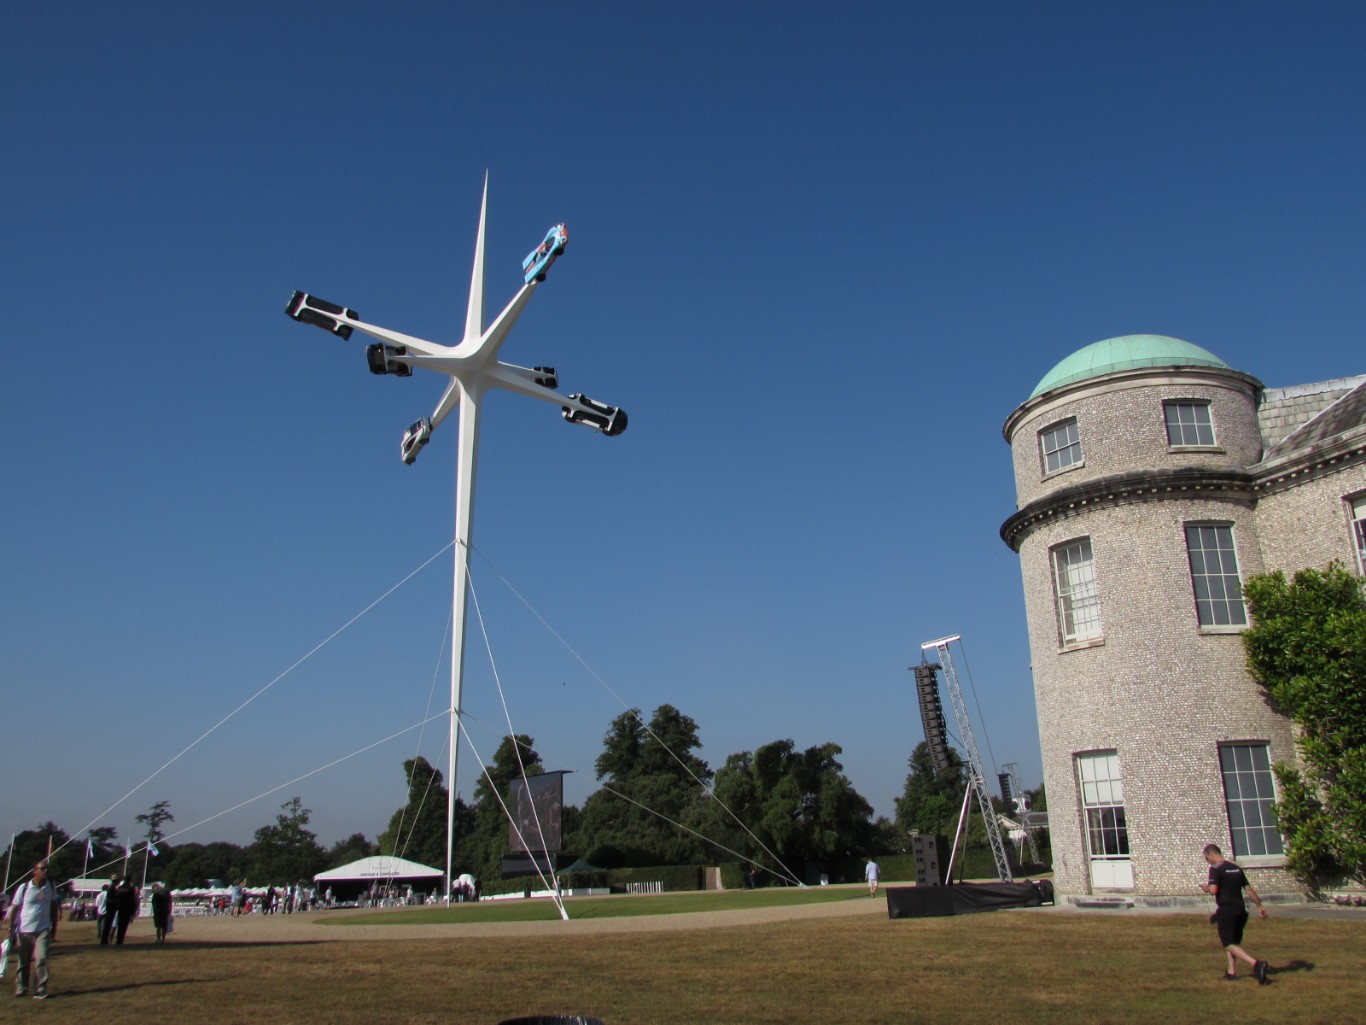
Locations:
column 1356, row 511
column 1249, row 792
column 1218, row 595
column 1104, row 821
column 1077, row 593
column 1189, row 421
column 1051, row 454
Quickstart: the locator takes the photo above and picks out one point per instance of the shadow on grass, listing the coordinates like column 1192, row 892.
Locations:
column 168, row 949
column 121, row 987
column 1292, row 966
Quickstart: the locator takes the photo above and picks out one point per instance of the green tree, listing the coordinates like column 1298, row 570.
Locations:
column 32, row 845
column 104, row 850
column 353, row 848
column 196, row 864
column 482, row 836
column 154, row 818
column 931, row 801
column 798, row 805
column 285, row 852
column 653, row 787
column 1307, row 648
column 417, row 831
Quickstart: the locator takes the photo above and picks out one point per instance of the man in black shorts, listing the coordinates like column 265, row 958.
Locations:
column 1226, row 885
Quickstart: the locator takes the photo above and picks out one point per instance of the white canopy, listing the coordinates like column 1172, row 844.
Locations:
column 89, row 885
column 378, row 867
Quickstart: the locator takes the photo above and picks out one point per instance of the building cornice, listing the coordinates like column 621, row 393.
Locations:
column 1127, row 488
column 1306, row 464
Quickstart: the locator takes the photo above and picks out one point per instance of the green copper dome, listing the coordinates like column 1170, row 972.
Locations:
column 1128, row 352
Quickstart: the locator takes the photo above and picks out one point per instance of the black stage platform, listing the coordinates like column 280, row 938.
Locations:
column 965, row 898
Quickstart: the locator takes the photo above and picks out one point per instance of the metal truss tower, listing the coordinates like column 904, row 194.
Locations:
column 977, row 778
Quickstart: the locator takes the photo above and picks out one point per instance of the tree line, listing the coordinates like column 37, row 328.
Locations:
column 791, row 812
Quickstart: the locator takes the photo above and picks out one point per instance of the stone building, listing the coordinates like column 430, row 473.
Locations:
column 1151, row 479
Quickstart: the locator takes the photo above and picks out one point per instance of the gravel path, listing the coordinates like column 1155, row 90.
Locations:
column 309, row 928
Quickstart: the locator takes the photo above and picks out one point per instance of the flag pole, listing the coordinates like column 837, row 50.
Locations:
column 86, row 863
column 8, row 858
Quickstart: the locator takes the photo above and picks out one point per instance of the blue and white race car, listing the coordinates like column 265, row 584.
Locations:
column 540, row 258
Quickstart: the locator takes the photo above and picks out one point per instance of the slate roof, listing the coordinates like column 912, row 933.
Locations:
column 1299, row 420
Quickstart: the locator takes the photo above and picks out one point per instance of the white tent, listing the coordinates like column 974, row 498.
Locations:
column 89, row 885
column 378, row 867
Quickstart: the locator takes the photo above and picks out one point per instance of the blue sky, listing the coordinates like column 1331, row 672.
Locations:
column 818, row 253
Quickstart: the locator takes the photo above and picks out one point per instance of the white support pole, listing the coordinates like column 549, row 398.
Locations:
column 467, row 460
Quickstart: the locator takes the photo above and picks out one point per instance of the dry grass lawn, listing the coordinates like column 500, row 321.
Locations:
column 1017, row 967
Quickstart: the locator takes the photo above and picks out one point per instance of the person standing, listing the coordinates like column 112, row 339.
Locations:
column 104, row 915
column 161, row 911
column 871, row 873
column 124, row 897
column 34, row 917
column 1226, row 885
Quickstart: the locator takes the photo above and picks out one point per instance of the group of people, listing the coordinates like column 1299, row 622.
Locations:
column 286, row 900
column 116, row 905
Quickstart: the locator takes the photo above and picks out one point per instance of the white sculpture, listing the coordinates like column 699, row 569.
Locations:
column 473, row 368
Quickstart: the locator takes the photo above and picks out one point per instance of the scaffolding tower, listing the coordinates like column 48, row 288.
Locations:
column 977, row 778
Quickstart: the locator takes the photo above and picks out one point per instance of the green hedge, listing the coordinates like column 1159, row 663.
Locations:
column 674, row 878
column 980, row 863
column 896, row 868
column 733, row 875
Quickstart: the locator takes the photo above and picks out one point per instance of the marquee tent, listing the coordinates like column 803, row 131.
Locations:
column 378, row 867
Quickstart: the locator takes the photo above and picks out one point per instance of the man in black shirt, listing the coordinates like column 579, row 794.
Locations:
column 1226, row 885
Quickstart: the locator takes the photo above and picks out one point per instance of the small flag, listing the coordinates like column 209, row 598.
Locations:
column 89, row 848
column 153, row 848
column 127, row 851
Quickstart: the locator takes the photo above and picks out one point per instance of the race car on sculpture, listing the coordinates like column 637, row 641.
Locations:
column 309, row 309
column 611, row 420
column 380, row 357
column 540, row 258
column 414, row 438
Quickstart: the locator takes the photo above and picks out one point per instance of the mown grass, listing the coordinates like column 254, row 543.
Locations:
column 544, row 910
column 1018, row 967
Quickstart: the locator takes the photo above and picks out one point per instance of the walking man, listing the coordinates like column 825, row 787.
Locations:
column 34, row 916
column 871, row 873
column 1226, row 885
